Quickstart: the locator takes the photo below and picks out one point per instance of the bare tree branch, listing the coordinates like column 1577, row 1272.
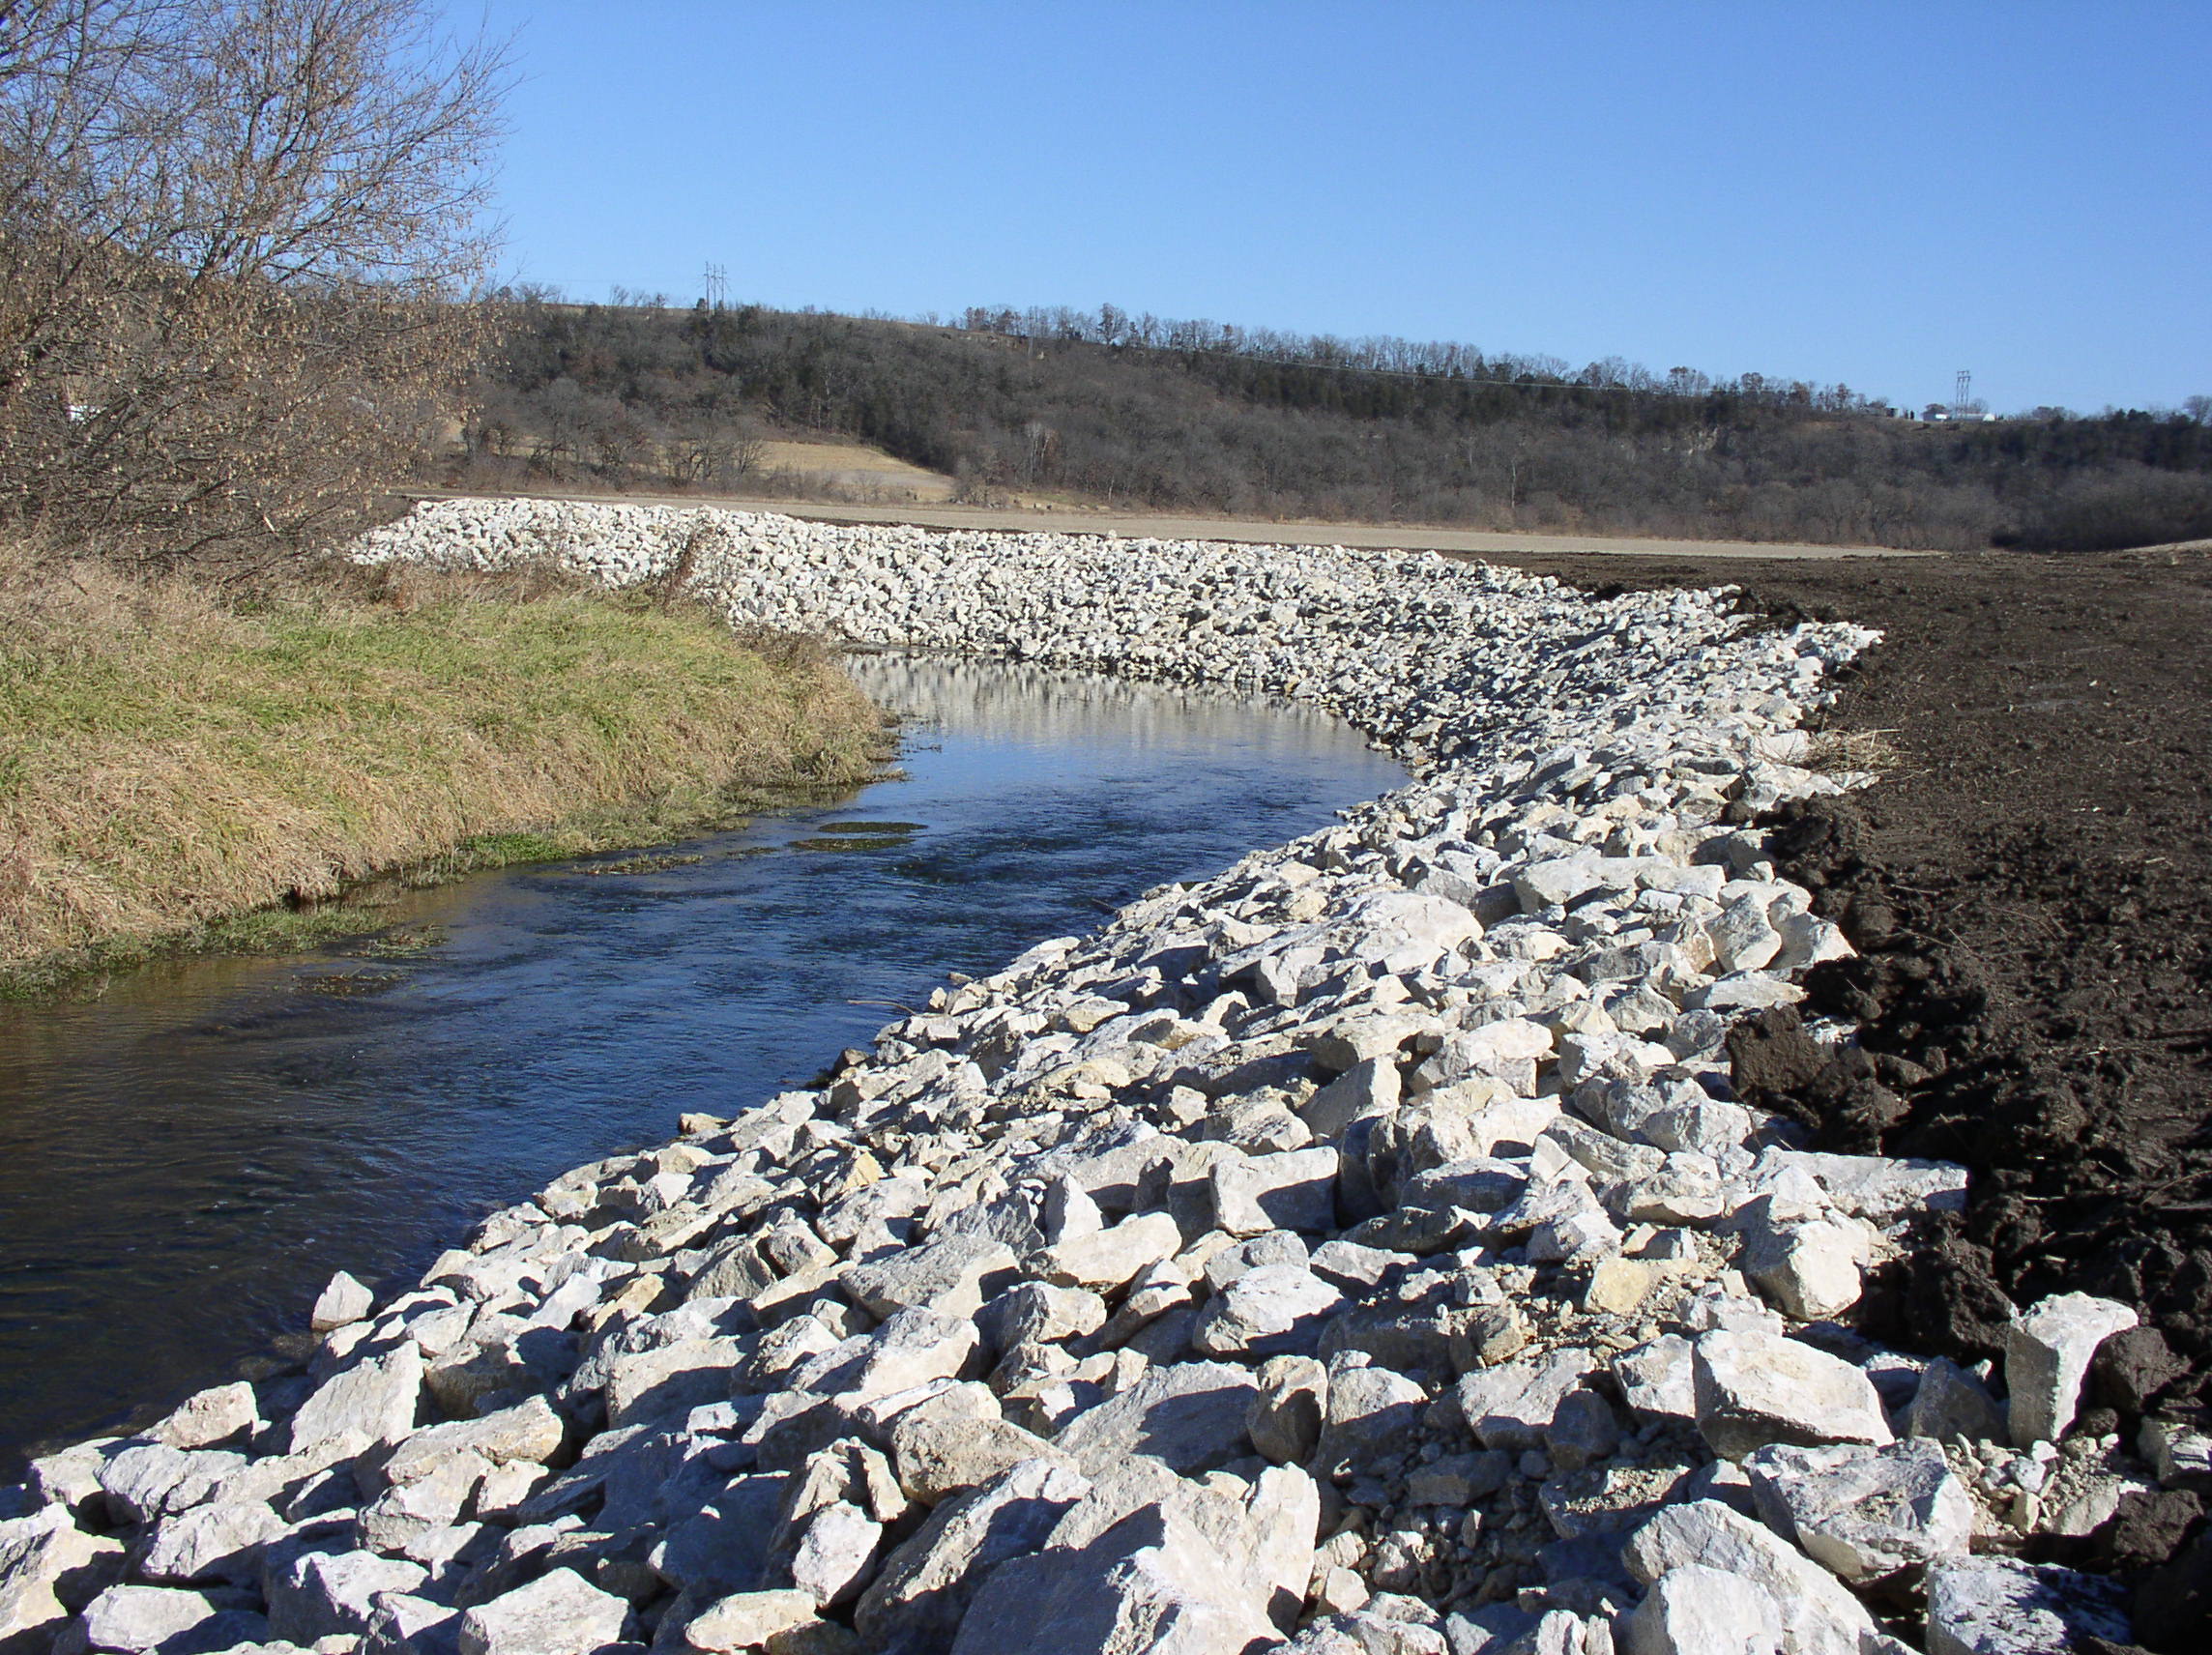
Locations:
column 239, row 246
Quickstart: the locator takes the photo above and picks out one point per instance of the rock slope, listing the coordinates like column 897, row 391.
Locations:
column 1360, row 1251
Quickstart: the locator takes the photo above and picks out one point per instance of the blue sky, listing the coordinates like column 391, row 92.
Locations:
column 1871, row 193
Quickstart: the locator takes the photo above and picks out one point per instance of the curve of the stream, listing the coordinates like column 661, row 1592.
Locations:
column 185, row 1160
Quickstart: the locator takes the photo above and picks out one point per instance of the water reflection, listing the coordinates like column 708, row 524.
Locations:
column 1016, row 702
column 183, row 1161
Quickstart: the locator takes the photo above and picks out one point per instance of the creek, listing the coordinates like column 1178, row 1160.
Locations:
column 186, row 1159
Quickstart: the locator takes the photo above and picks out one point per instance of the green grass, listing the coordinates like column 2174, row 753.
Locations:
column 179, row 773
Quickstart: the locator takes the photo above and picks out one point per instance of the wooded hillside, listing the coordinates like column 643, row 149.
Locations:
column 1200, row 417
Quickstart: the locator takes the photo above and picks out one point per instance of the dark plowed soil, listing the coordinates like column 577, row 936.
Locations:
column 2030, row 891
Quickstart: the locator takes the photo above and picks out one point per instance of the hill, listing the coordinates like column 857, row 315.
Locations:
column 1193, row 417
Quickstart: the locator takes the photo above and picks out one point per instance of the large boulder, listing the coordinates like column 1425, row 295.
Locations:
column 2000, row 1606
column 1511, row 1406
column 212, row 1543
column 924, row 1586
column 1697, row 1610
column 206, row 1418
column 750, row 1620
column 1275, row 1310
column 340, row 1304
column 558, row 1614
column 1755, row 1388
column 952, row 1275
column 147, row 1480
column 39, row 1556
column 1818, row 1615
column 1189, row 1415
column 1152, row 1582
column 531, row 1432
column 2048, row 1352
column 323, row 1594
column 1867, row 1513
column 135, row 1618
column 939, row 1451
column 377, row 1398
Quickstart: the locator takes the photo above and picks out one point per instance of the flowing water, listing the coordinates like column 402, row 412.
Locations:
column 186, row 1160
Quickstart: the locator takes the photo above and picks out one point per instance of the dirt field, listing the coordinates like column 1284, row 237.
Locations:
column 2031, row 894
column 853, row 468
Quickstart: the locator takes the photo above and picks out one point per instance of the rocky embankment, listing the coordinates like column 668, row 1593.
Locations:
column 1364, row 1250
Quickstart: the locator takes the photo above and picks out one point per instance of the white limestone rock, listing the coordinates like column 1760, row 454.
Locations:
column 951, row 1275
column 1369, row 1086
column 2178, row 1454
column 322, row 1594
column 2047, row 1357
column 1867, row 1513
column 210, row 1418
column 1285, row 1419
column 1656, row 1379
column 2000, row 1606
column 343, row 1302
column 1293, row 1189
column 1512, row 1406
column 1110, row 1259
column 1810, row 1271
column 1275, row 1310
column 529, row 1433
column 1952, row 1402
column 212, row 1543
column 378, row 1399
column 938, row 1451
column 1190, row 1416
column 400, row 1623
column 1755, row 1388
column 913, row 1347
column 145, row 1481
column 836, row 1555
column 750, row 1620
column 558, row 1614
column 1039, row 1313
column 1699, row 1610
column 1152, row 1582
column 39, row 1552
column 1370, row 1412
column 1819, row 1616
column 925, row 1585
column 135, row 1618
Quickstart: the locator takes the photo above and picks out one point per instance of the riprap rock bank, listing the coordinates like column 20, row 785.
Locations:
column 1363, row 1250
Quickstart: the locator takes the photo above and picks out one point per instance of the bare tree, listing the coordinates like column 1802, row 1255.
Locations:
column 237, row 242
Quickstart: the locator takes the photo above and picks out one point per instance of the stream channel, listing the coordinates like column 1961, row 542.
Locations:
column 185, row 1160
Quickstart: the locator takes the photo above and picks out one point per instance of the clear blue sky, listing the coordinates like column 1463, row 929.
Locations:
column 1873, row 192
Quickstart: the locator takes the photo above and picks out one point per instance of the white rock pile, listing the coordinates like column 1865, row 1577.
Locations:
column 1358, row 1251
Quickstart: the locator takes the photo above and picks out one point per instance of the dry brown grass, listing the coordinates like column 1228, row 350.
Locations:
column 1837, row 752
column 170, row 757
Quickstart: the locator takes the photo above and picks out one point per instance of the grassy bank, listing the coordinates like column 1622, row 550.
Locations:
column 180, row 767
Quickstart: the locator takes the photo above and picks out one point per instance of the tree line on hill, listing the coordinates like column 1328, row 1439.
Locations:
column 1139, row 413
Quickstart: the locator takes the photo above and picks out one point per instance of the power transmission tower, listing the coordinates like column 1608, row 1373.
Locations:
column 1963, row 399
column 717, row 286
